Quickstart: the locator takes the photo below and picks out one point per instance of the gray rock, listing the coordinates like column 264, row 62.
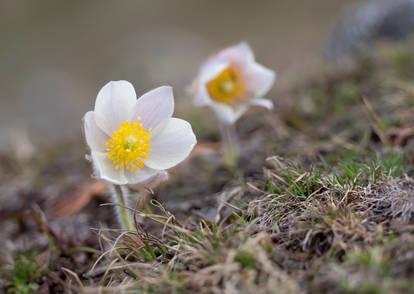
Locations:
column 365, row 23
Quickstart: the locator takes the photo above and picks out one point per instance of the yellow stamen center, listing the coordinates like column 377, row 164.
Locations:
column 228, row 86
column 129, row 145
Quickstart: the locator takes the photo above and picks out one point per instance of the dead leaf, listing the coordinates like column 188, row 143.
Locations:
column 72, row 202
column 401, row 136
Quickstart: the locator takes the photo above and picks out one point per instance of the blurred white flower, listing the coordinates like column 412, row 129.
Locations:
column 232, row 81
column 134, row 141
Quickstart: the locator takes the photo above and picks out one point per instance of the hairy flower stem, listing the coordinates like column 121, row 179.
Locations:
column 230, row 143
column 119, row 197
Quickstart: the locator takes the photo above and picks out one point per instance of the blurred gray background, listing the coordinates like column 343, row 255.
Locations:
column 56, row 55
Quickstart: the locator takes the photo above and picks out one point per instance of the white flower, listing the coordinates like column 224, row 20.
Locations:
column 133, row 141
column 232, row 81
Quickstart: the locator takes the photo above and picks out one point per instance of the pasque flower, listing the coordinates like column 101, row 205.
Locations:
column 232, row 81
column 133, row 141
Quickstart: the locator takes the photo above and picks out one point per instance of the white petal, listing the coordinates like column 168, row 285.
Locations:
column 172, row 141
column 106, row 170
column 154, row 106
column 141, row 176
column 153, row 180
column 202, row 98
column 95, row 137
column 228, row 114
column 259, row 79
column 211, row 69
column 240, row 110
column 238, row 54
column 114, row 105
column 266, row 103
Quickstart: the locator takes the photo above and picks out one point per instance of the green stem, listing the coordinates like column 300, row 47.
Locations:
column 123, row 212
column 230, row 143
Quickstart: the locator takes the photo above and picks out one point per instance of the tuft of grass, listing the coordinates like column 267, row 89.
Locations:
column 370, row 271
column 23, row 275
column 281, row 233
column 354, row 170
